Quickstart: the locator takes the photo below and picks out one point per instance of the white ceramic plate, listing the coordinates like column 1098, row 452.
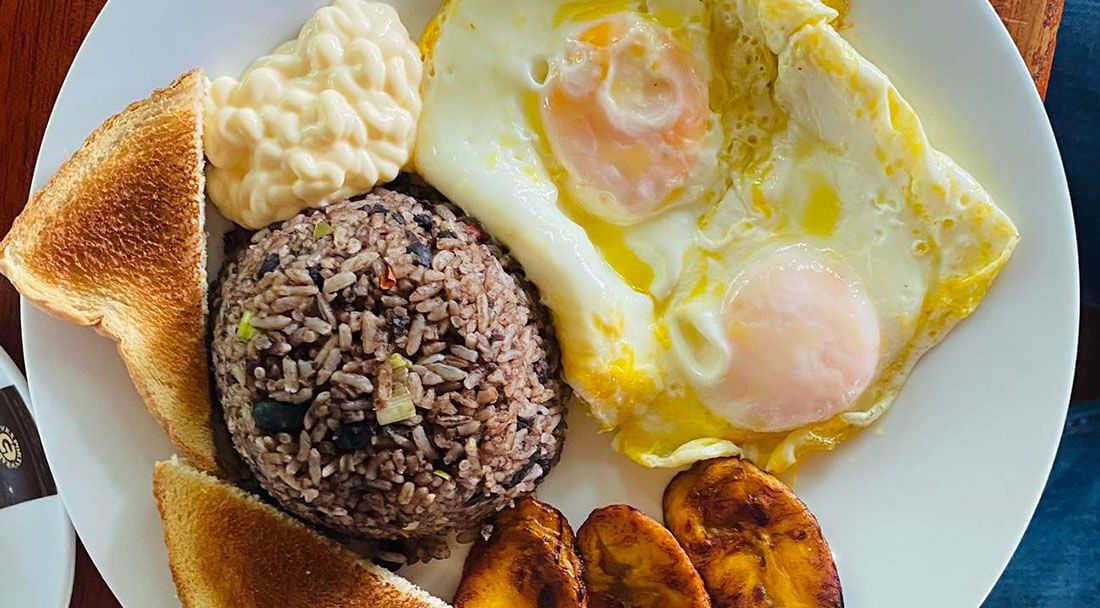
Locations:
column 923, row 510
column 37, row 544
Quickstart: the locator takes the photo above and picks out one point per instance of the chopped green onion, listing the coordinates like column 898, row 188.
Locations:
column 321, row 229
column 245, row 330
column 442, row 475
column 399, row 407
column 396, row 361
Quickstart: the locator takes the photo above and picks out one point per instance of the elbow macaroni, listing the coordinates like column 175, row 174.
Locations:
column 324, row 117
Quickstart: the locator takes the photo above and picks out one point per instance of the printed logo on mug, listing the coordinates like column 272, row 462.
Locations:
column 24, row 474
column 10, row 454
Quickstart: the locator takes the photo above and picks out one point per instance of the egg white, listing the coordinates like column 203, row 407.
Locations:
column 812, row 147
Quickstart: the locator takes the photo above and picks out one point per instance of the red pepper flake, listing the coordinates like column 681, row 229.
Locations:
column 388, row 278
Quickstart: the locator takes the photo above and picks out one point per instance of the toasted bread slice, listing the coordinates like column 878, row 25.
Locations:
column 227, row 549
column 115, row 240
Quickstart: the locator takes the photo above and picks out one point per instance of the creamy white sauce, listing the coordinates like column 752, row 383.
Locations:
column 324, row 117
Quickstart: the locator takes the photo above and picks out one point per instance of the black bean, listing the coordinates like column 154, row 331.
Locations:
column 398, row 217
column 424, row 221
column 546, row 462
column 422, row 252
column 269, row 265
column 345, row 297
column 399, row 325
column 278, row 417
column 353, row 436
column 477, row 498
column 378, row 209
column 522, row 473
column 447, row 234
column 542, row 371
column 315, row 274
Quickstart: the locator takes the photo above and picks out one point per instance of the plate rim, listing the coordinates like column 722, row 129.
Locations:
column 1037, row 107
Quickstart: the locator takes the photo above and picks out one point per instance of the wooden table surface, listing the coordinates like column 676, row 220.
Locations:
column 38, row 41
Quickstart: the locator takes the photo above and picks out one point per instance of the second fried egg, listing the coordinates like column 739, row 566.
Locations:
column 743, row 233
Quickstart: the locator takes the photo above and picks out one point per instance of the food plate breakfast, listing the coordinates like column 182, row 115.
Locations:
column 415, row 405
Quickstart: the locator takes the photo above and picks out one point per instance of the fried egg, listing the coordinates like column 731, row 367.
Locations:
column 739, row 224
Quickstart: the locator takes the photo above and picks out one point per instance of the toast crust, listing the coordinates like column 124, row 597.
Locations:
column 115, row 241
column 227, row 549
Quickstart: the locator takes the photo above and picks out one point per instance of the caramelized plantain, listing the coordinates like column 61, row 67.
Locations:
column 529, row 561
column 754, row 542
column 631, row 561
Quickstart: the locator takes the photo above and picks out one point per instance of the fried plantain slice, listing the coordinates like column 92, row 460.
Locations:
column 631, row 561
column 754, row 542
column 529, row 561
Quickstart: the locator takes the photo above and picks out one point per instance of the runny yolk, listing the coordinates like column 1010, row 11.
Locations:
column 626, row 113
column 804, row 339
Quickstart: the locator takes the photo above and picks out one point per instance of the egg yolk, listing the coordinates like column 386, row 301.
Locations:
column 804, row 340
column 626, row 114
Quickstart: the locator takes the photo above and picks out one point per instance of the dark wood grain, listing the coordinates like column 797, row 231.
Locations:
column 1034, row 26
column 38, row 39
